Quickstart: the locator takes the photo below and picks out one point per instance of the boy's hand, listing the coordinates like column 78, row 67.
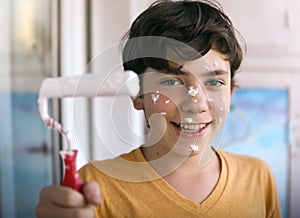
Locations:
column 58, row 201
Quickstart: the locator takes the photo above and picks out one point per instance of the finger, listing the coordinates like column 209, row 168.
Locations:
column 51, row 210
column 91, row 192
column 63, row 196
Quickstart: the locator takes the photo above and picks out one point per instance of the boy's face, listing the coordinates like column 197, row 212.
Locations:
column 189, row 109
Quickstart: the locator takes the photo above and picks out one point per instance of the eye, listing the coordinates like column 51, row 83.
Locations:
column 214, row 83
column 171, row 82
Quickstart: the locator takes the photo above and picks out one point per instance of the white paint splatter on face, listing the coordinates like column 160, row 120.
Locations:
column 221, row 108
column 163, row 113
column 193, row 91
column 211, row 100
column 220, row 120
column 168, row 101
column 194, row 148
column 188, row 119
column 155, row 97
column 195, row 100
column 215, row 63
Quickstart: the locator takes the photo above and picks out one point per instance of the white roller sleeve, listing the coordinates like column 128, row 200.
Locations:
column 87, row 85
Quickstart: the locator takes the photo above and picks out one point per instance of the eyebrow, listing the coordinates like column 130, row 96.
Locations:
column 206, row 74
column 215, row 73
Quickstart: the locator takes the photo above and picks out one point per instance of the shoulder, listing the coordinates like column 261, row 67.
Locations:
column 252, row 177
column 93, row 165
column 88, row 171
column 245, row 163
column 127, row 167
column 249, row 169
column 231, row 157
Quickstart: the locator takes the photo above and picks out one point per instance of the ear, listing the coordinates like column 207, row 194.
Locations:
column 138, row 103
column 232, row 86
column 232, row 90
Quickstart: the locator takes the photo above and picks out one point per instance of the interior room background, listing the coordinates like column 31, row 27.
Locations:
column 47, row 38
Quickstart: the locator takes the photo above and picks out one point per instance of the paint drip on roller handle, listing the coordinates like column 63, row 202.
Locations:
column 117, row 83
column 71, row 178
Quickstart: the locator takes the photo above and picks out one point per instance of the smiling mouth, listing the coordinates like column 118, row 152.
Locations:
column 190, row 128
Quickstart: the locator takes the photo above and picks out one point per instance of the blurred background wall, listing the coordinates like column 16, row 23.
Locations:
column 43, row 38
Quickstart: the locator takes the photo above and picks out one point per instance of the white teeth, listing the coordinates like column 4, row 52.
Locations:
column 192, row 127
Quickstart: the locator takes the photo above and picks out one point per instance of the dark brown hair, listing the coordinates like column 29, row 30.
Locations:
column 188, row 28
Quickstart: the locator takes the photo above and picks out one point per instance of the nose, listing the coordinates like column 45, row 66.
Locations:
column 196, row 100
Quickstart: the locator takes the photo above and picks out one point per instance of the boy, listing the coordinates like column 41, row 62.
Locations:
column 186, row 54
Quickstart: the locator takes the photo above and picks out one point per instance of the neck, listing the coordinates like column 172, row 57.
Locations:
column 165, row 161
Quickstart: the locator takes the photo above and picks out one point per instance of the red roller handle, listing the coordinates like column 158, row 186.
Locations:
column 71, row 178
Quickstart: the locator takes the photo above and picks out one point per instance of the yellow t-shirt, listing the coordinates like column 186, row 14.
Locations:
column 131, row 188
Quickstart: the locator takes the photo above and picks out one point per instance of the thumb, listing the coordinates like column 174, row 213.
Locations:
column 91, row 191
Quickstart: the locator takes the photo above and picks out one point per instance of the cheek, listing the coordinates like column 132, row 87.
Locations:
column 220, row 107
column 158, row 103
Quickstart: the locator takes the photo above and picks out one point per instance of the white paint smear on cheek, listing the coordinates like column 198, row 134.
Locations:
column 211, row 100
column 215, row 63
column 220, row 120
column 155, row 97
